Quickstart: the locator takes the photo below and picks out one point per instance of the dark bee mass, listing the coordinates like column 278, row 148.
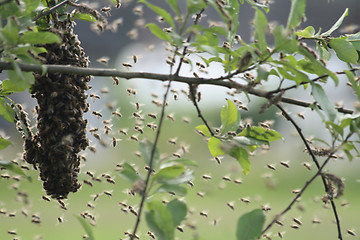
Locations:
column 61, row 128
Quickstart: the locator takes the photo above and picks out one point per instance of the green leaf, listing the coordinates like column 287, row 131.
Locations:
column 39, row 38
column 87, row 227
column 31, row 5
column 4, row 142
column 10, row 33
column 178, row 211
column 6, row 111
column 183, row 178
column 336, row 25
column 229, row 116
column 249, row 225
column 204, row 130
column 14, row 168
column 242, row 156
column 297, row 13
column 355, row 40
column 354, row 85
column 249, row 141
column 216, row 147
column 85, row 16
column 145, row 147
column 323, row 52
column 344, row 50
column 174, row 6
column 261, row 26
column 257, row 4
column 324, row 102
column 158, row 32
column 171, row 172
column 308, row 32
column 173, row 188
column 160, row 221
column 284, row 41
column 183, row 161
column 129, row 173
column 260, row 133
column 193, row 6
column 161, row 12
column 18, row 82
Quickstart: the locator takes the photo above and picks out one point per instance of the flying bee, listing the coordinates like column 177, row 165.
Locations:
column 300, row 115
column 152, row 115
column 245, row 200
column 151, row 125
column 267, row 236
column 138, row 10
column 206, row 177
column 90, row 173
column 191, row 183
column 97, row 136
column 176, row 155
column 92, row 149
column 131, row 91
column 123, row 131
column 93, row 130
column 26, row 167
column 294, row 226
column 172, row 141
column 297, row 221
column 281, row 234
column 24, row 212
column 117, row 114
column 196, row 75
column 90, row 205
column 60, row 219
column 230, row 205
column 316, row 221
column 218, row 160
column 12, row 232
column 226, row 178
column 108, row 193
column 104, row 90
column 137, row 115
column 139, row 129
column 11, row 214
column 204, row 214
column 132, row 210
column 295, row 191
column 99, row 115
column 266, row 207
column 46, row 198
column 88, row 182
column 127, row 65
column 110, row 180
column 180, row 228
column 307, row 165
column 157, row 103
column 114, row 140
column 272, row 167
column 106, row 10
column 107, row 129
column 116, row 80
column 134, row 138
column 104, row 60
column 200, row 194
column 152, row 235
column 285, row 164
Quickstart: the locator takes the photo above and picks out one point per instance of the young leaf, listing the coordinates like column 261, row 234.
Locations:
column 242, row 156
column 4, row 142
column 159, row 219
column 283, row 42
column 260, row 133
column 216, row 147
column 161, row 12
column 174, row 6
column 15, row 169
column 229, row 116
column 6, row 111
column 158, row 32
column 129, row 173
column 354, row 85
column 261, row 26
column 39, row 38
column 336, row 25
column 344, row 50
column 178, row 211
column 204, row 130
column 171, row 172
column 145, row 148
column 249, row 141
column 297, row 12
column 249, row 225
column 322, row 99
column 87, row 227
column 85, row 17
column 308, row 32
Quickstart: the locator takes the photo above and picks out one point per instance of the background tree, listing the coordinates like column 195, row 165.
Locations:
column 41, row 53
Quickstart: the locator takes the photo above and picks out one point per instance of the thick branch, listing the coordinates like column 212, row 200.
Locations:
column 101, row 72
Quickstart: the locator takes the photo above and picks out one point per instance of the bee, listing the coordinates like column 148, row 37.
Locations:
column 152, row 235
column 126, row 64
column 108, row 193
column 152, row 115
column 172, row 141
column 265, row 207
column 300, row 115
column 110, row 180
column 90, row 173
column 134, row 138
column 131, row 91
column 218, row 160
column 92, row 149
column 191, row 183
column 133, row 34
column 267, row 236
column 285, row 164
column 107, row 129
column 272, row 167
column 294, row 226
column 230, row 205
column 200, row 194
column 26, row 167
column 46, row 198
column 60, row 219
column 206, row 177
column 344, row 203
column 196, row 75
column 106, row 10
column 123, row 131
column 88, row 182
column 231, row 133
column 132, row 210
column 95, row 196
column 114, row 140
column 104, row 90
column 12, row 214
column 278, row 222
column 12, row 232
column 96, row 179
column 16, row 178
column 280, row 234
column 176, row 155
column 93, row 130
column 61, row 204
column 157, row 103
column 307, row 165
column 5, row 176
column 297, row 221
column 265, row 125
column 36, row 220
column 316, row 221
column 243, row 107
column 137, row 115
column 99, row 115
column 116, row 80
column 245, row 200
column 139, row 129
column 138, row 10
column 123, row 204
column 295, row 191
column 104, row 60
column 24, row 212
column 168, row 30
column 226, row 178
column 204, row 214
column 90, row 205
column 151, row 125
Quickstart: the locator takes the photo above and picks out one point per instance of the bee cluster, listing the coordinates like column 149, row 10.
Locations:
column 61, row 128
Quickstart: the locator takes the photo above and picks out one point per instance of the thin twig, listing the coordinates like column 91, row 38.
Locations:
column 103, row 72
column 50, row 10
column 298, row 129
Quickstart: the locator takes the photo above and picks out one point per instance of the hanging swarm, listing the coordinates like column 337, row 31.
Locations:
column 61, row 128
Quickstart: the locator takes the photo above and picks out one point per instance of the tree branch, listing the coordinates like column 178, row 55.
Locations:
column 103, row 72
column 50, row 10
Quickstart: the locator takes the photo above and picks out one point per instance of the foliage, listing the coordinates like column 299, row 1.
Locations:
column 289, row 62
